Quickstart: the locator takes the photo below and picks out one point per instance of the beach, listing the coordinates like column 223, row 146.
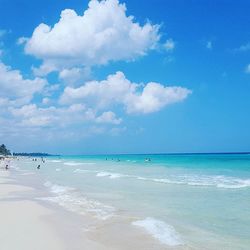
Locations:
column 23, row 221
column 30, row 222
column 124, row 125
column 89, row 202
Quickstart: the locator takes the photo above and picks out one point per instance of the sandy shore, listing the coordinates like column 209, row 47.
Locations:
column 22, row 224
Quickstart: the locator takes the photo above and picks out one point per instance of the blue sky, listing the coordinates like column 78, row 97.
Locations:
column 174, row 78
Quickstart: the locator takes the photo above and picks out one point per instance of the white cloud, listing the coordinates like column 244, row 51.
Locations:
column 33, row 116
column 74, row 76
column 15, row 89
column 116, row 89
column 169, row 45
column 108, row 117
column 45, row 100
column 248, row 69
column 51, row 89
column 100, row 94
column 154, row 97
column 44, row 69
column 22, row 40
column 102, row 34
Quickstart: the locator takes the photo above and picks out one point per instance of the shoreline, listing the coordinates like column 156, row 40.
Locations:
column 36, row 223
column 22, row 223
column 93, row 205
column 29, row 223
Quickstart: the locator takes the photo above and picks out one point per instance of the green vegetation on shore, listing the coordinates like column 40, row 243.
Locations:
column 31, row 154
column 4, row 150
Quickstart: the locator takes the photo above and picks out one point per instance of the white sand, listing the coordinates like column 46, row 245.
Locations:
column 22, row 225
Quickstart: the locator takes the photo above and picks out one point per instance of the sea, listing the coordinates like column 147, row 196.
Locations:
column 180, row 201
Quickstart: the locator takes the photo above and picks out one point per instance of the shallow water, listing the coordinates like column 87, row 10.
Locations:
column 196, row 201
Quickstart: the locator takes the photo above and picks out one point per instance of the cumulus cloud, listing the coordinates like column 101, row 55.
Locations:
column 75, row 75
column 44, row 69
column 15, row 89
column 117, row 89
column 108, row 117
column 33, row 116
column 45, row 100
column 154, row 97
column 102, row 34
column 169, row 45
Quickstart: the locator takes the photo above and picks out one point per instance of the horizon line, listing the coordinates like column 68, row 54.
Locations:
column 174, row 153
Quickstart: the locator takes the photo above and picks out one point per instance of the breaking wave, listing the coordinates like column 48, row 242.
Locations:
column 160, row 230
column 74, row 201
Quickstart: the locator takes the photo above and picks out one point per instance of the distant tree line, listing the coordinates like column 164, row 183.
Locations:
column 32, row 154
column 4, row 150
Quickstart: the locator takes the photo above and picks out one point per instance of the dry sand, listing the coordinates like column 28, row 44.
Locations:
column 22, row 224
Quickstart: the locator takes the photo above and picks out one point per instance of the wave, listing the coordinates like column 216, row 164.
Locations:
column 161, row 231
column 70, row 163
column 54, row 161
column 110, row 175
column 74, row 201
column 218, row 181
column 101, row 173
column 78, row 170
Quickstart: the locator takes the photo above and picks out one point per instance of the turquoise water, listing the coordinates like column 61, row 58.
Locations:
column 198, row 201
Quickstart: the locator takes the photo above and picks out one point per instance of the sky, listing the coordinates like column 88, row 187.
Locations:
column 101, row 77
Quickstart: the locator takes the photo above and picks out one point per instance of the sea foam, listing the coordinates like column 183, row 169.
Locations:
column 110, row 175
column 71, row 163
column 218, row 181
column 78, row 170
column 74, row 201
column 161, row 231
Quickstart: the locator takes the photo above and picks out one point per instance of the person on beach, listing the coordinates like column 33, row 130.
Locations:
column 38, row 167
column 6, row 166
